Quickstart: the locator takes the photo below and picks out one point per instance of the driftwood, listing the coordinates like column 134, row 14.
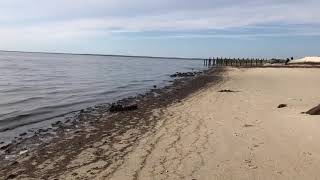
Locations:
column 314, row 111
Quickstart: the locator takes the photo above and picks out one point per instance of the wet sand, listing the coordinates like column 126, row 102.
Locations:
column 197, row 132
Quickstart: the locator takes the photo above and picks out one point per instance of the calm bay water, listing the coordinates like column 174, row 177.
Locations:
column 35, row 87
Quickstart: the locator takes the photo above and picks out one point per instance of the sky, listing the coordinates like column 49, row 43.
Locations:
column 175, row 28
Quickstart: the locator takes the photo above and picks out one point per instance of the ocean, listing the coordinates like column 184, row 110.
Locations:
column 38, row 87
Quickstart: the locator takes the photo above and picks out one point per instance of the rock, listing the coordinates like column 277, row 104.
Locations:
column 23, row 134
column 5, row 147
column 11, row 176
column 58, row 123
column 155, row 86
column 282, row 105
column 42, row 131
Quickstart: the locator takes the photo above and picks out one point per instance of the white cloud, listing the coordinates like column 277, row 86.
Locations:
column 40, row 20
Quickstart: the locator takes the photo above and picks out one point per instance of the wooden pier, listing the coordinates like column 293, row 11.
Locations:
column 237, row 62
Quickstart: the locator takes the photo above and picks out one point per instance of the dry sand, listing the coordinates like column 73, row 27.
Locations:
column 216, row 135
column 239, row 135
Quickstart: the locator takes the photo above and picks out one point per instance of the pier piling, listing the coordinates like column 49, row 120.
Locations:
column 234, row 62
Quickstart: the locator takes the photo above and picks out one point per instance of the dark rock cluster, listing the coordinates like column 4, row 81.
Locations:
column 185, row 74
column 117, row 107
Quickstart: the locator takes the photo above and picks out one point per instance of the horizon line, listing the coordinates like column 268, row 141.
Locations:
column 98, row 54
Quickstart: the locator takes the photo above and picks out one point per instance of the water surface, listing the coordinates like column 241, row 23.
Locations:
column 36, row 87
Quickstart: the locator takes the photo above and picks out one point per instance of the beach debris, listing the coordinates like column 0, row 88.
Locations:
column 23, row 152
column 115, row 107
column 314, row 111
column 227, row 90
column 248, row 125
column 282, row 105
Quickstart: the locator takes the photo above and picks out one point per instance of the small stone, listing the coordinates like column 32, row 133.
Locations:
column 248, row 125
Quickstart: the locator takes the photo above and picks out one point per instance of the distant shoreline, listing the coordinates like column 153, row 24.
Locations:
column 107, row 55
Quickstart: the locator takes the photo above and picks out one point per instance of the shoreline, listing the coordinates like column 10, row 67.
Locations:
column 21, row 132
column 69, row 138
column 234, row 130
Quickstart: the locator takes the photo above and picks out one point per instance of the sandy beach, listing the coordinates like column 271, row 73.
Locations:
column 239, row 135
column 208, row 134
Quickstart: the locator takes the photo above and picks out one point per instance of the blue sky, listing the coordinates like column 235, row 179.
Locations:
column 183, row 28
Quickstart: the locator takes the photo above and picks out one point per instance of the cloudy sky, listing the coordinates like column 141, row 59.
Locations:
column 185, row 28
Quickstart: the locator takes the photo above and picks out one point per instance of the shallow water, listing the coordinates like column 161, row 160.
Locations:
column 36, row 87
